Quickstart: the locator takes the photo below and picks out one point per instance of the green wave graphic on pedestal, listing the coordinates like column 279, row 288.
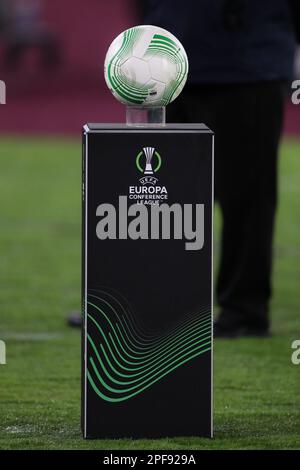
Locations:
column 124, row 360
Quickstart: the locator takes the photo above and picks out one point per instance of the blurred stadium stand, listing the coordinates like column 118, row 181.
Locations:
column 60, row 97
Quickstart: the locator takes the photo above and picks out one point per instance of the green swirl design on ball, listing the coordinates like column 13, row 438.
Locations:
column 160, row 45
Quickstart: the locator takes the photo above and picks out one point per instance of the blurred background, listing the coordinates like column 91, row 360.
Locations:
column 56, row 83
column 51, row 59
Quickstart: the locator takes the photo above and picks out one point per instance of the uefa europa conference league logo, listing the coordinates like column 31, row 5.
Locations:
column 150, row 217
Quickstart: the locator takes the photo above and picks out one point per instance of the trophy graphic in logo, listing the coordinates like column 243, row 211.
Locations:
column 148, row 151
column 152, row 158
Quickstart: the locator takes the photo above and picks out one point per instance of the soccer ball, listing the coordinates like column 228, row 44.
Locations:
column 146, row 66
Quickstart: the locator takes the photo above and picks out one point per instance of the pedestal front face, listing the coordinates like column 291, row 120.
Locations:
column 147, row 282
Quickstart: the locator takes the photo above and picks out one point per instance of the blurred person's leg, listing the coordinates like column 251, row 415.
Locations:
column 247, row 121
column 14, row 52
column 50, row 49
column 43, row 41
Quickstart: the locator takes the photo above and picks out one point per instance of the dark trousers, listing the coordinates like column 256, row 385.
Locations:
column 247, row 121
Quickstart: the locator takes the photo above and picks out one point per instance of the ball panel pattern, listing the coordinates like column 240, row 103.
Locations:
column 146, row 66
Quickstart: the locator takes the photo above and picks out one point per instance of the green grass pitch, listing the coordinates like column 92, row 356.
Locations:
column 257, row 395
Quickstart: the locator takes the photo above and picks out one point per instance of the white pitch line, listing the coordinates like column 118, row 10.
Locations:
column 30, row 336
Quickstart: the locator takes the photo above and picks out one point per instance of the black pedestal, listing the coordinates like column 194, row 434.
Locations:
column 147, row 281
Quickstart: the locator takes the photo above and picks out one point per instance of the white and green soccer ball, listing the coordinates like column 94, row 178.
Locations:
column 146, row 66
